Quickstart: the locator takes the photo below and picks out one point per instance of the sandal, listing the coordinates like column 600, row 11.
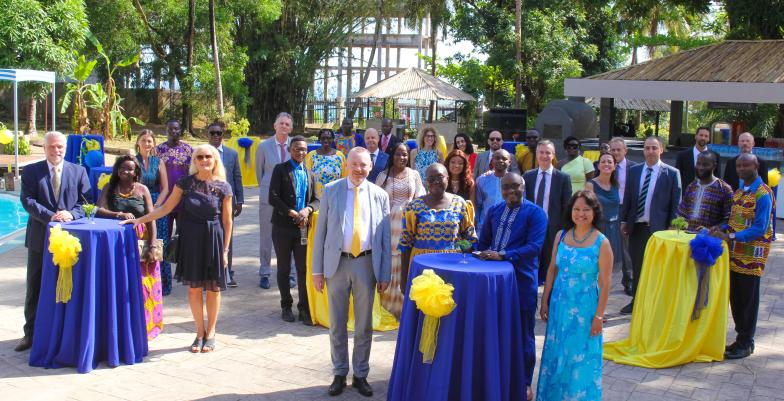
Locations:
column 208, row 346
column 197, row 345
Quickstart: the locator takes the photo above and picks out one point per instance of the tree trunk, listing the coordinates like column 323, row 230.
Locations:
column 216, row 59
column 31, row 114
column 185, row 85
column 376, row 39
column 433, row 41
column 107, row 109
column 778, row 129
column 518, row 51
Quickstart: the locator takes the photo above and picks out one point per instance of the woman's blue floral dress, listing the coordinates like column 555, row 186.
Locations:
column 571, row 366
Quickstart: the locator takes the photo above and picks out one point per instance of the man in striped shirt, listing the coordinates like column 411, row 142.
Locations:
column 707, row 200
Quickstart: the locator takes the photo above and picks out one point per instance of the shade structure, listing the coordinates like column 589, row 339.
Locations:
column 414, row 84
column 634, row 104
column 17, row 76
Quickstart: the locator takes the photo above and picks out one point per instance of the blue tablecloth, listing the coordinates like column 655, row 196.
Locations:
column 412, row 144
column 95, row 175
column 479, row 354
column 104, row 320
column 74, row 145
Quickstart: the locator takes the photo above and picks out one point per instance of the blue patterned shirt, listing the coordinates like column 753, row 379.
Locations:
column 300, row 182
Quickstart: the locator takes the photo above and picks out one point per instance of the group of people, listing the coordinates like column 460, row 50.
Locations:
column 565, row 225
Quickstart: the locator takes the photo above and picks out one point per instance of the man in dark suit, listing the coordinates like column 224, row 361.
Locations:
column 746, row 145
column 388, row 140
column 650, row 203
column 618, row 150
column 687, row 159
column 293, row 198
column 52, row 190
column 231, row 163
column 378, row 158
column 551, row 190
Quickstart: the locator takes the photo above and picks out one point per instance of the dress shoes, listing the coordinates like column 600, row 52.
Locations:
column 305, row 318
column 362, row 385
column 24, row 344
column 232, row 284
column 627, row 310
column 264, row 282
column 337, row 386
column 627, row 289
column 287, row 315
column 739, row 352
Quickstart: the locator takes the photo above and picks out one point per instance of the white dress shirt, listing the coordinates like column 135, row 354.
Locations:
column 348, row 216
column 696, row 153
column 549, row 180
column 646, row 217
column 375, row 156
column 620, row 172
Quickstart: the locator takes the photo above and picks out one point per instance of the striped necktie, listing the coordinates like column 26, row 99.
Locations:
column 644, row 193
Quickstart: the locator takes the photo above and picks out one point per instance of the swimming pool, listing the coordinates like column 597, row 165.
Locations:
column 12, row 215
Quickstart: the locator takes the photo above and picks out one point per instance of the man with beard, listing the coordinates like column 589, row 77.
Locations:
column 707, row 201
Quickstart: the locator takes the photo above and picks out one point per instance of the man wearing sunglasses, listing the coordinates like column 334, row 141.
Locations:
column 231, row 163
column 484, row 162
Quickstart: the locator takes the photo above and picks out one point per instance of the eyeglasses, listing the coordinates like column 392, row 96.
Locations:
column 435, row 179
column 495, row 139
column 203, row 157
column 216, row 133
column 532, row 138
column 573, row 146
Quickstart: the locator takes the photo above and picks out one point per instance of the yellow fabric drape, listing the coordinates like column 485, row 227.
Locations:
column 65, row 249
column 434, row 298
column 319, row 304
column 662, row 333
column 248, row 170
column 592, row 155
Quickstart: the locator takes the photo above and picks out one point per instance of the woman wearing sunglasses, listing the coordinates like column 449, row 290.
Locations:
column 579, row 168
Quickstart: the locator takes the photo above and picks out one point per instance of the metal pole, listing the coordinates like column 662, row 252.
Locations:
column 16, row 129
column 54, row 100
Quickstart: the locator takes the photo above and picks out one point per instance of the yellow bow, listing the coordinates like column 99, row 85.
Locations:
column 434, row 298
column 774, row 175
column 65, row 249
column 6, row 137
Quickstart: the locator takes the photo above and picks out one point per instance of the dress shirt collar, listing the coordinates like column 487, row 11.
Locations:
column 548, row 171
column 220, row 147
column 297, row 166
column 351, row 185
column 622, row 164
column 51, row 166
column 655, row 166
column 752, row 187
column 378, row 150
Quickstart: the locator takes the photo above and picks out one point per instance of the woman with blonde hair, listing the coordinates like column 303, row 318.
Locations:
column 427, row 151
column 204, row 228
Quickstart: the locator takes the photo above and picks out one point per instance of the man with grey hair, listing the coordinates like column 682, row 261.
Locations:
column 746, row 145
column 271, row 152
column 378, row 158
column 52, row 190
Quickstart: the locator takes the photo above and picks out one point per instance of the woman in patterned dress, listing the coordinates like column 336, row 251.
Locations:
column 176, row 157
column 156, row 180
column 326, row 163
column 435, row 222
column 573, row 303
column 403, row 185
column 427, row 151
column 461, row 180
column 124, row 197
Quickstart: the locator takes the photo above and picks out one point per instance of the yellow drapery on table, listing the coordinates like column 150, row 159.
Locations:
column 319, row 304
column 248, row 170
column 662, row 333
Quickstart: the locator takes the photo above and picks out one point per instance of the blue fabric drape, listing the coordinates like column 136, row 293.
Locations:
column 479, row 353
column 95, row 174
column 104, row 320
column 73, row 147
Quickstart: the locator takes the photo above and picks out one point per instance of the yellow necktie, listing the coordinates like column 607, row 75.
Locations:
column 356, row 227
column 56, row 183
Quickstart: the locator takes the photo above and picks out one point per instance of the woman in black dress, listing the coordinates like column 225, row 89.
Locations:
column 204, row 227
column 461, row 179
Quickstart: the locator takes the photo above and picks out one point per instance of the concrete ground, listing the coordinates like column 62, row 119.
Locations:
column 260, row 357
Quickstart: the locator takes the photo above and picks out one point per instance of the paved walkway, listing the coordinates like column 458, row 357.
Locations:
column 260, row 357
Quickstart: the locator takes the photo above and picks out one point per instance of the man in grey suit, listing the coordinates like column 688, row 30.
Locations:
column 271, row 152
column 352, row 252
column 494, row 142
column 551, row 190
column 650, row 202
column 231, row 163
column 619, row 150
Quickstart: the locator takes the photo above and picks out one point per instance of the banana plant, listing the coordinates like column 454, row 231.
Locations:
column 75, row 92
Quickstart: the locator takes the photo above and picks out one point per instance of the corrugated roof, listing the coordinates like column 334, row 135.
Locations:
column 757, row 61
column 414, row 84
column 634, row 104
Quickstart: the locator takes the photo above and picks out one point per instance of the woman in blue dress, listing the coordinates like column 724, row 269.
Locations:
column 427, row 152
column 606, row 188
column 573, row 303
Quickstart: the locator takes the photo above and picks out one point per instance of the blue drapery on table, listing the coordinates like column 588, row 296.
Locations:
column 95, row 175
column 73, row 147
column 510, row 146
column 479, row 352
column 104, row 320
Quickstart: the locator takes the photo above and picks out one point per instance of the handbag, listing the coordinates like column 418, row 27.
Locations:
column 172, row 250
column 157, row 250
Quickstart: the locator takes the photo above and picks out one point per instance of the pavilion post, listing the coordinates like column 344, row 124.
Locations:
column 676, row 121
column 54, row 100
column 606, row 118
column 16, row 129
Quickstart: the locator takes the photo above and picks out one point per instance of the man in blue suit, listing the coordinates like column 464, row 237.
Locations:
column 650, row 203
column 52, row 190
column 378, row 158
column 231, row 163
column 514, row 230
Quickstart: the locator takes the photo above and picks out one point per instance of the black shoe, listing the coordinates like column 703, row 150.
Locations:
column 739, row 352
column 731, row 347
column 362, row 385
column 24, row 344
column 337, row 386
column 305, row 318
column 627, row 289
column 287, row 315
column 232, row 284
column 626, row 310
column 264, row 282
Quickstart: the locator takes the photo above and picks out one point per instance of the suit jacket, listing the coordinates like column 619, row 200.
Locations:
column 731, row 172
column 38, row 198
column 482, row 164
column 267, row 157
column 666, row 197
column 283, row 195
column 684, row 163
column 393, row 141
column 328, row 239
column 378, row 166
column 233, row 175
column 560, row 193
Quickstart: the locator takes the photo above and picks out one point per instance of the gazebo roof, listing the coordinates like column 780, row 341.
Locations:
column 634, row 104
column 731, row 71
column 414, row 83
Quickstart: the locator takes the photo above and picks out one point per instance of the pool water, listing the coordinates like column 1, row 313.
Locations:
column 12, row 215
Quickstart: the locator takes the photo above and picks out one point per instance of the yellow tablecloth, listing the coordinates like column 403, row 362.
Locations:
column 248, row 169
column 319, row 303
column 662, row 333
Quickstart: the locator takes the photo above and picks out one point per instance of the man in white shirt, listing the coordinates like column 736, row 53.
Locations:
column 686, row 160
column 618, row 150
column 378, row 159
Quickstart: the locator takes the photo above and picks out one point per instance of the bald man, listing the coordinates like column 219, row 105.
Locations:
column 378, row 159
column 746, row 145
column 488, row 186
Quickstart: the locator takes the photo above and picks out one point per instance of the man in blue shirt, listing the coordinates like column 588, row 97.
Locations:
column 514, row 231
column 488, row 186
column 293, row 198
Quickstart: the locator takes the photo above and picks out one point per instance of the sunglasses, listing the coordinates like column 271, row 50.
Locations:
column 216, row 133
column 573, row 146
column 495, row 139
column 203, row 157
column 435, row 179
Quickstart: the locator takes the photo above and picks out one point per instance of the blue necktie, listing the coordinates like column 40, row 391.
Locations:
column 644, row 193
